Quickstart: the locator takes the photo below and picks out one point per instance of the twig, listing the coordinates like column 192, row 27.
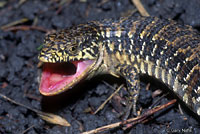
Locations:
column 14, row 23
column 27, row 129
column 179, row 107
column 21, row 2
column 148, row 86
column 131, row 121
column 2, row 4
column 24, row 27
column 62, row 4
column 156, row 93
column 110, row 86
column 102, row 2
column 140, row 7
column 51, row 118
column 152, row 111
column 158, row 100
column 109, row 98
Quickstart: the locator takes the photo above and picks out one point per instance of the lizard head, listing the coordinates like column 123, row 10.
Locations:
column 69, row 56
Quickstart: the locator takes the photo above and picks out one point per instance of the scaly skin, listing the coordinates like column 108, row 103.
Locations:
column 130, row 47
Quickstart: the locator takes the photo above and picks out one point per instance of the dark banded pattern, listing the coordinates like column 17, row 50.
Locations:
column 159, row 48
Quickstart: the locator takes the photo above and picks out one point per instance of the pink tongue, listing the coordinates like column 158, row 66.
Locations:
column 56, row 76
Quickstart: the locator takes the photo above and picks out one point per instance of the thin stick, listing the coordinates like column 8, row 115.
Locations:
column 51, row 118
column 14, row 23
column 109, row 98
column 107, row 84
column 17, row 103
column 24, row 28
column 27, row 129
column 151, row 112
column 133, row 121
column 140, row 7
column 158, row 100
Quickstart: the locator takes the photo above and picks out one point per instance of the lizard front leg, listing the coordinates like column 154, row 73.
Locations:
column 131, row 74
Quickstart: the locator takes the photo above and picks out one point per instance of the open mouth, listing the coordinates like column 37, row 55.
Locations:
column 58, row 77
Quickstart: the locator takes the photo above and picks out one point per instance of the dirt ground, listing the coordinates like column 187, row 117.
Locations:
column 29, row 21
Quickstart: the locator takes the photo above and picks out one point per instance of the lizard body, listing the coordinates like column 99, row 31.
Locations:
column 129, row 47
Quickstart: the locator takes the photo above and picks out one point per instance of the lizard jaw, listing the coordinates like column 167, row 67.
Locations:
column 59, row 77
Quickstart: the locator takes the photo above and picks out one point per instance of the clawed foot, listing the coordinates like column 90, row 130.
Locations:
column 130, row 108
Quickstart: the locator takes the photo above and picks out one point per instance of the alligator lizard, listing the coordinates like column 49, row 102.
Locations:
column 128, row 47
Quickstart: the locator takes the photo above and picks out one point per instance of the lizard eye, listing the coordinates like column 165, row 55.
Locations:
column 73, row 49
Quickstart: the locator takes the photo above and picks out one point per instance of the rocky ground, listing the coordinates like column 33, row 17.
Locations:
column 19, row 72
